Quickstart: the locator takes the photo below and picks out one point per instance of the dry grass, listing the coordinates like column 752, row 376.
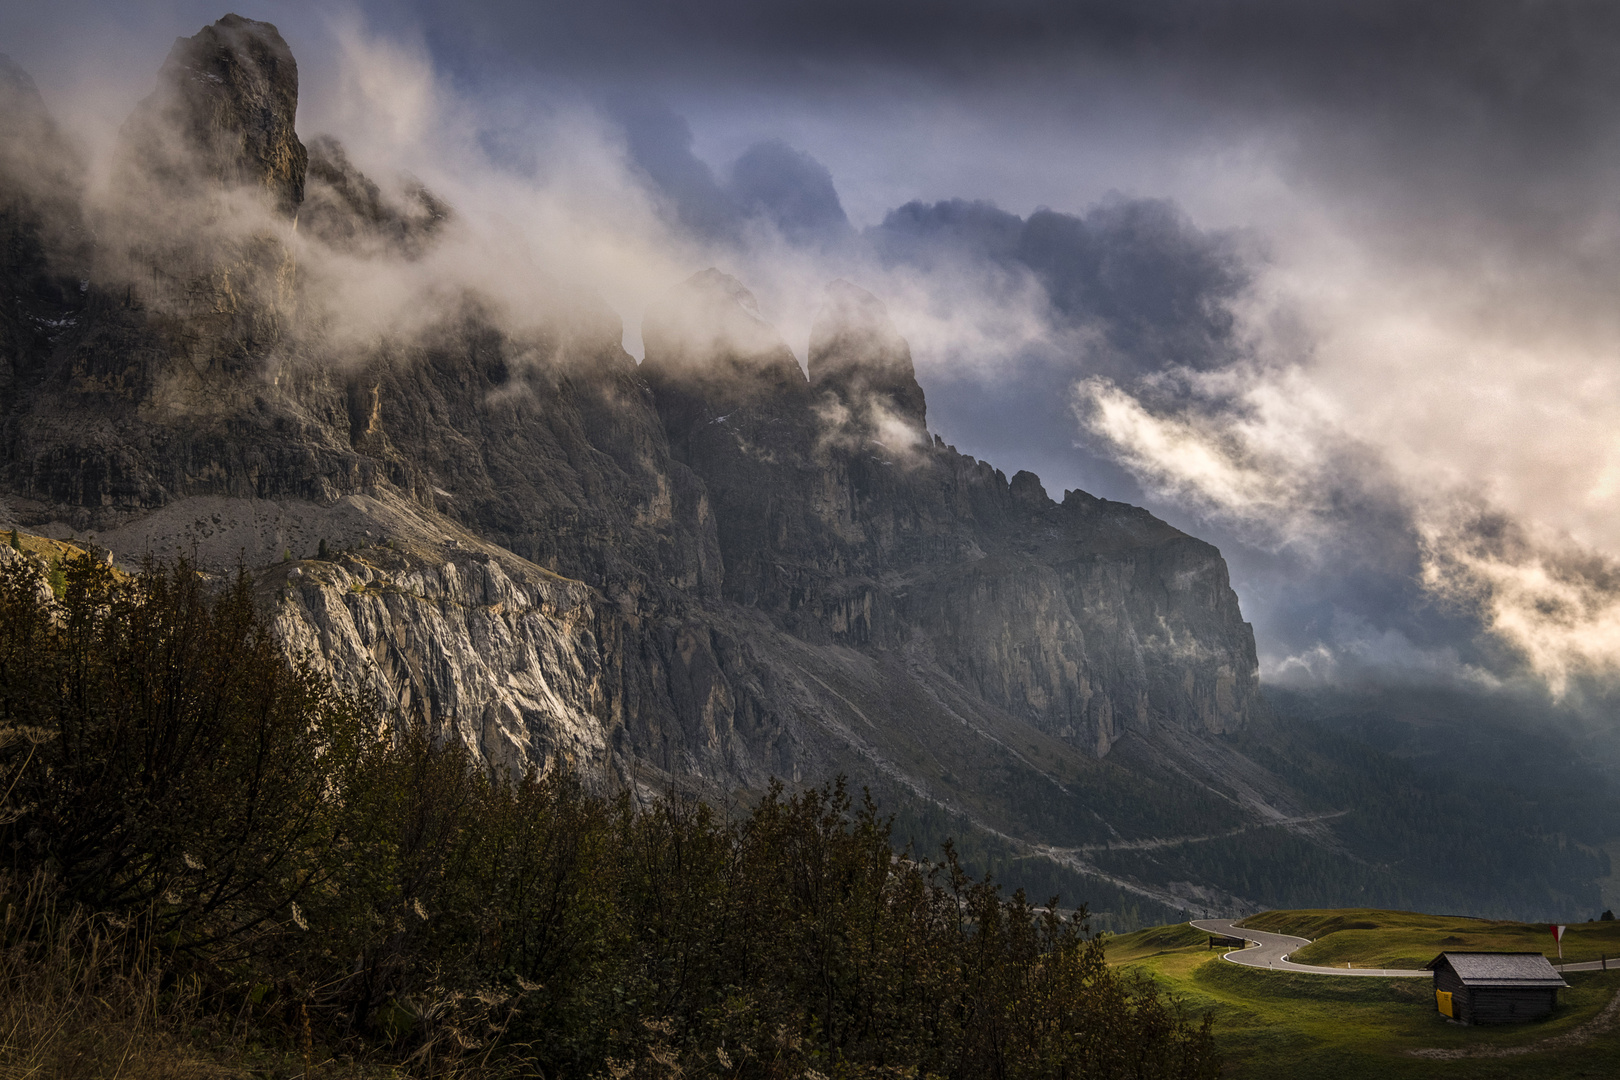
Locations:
column 1155, row 941
column 45, row 548
column 78, row 1000
column 82, row 997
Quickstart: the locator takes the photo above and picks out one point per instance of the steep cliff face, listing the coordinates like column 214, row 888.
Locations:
column 505, row 655
column 711, row 564
column 43, row 239
column 837, row 514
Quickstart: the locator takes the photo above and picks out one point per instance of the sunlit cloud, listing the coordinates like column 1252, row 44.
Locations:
column 1468, row 440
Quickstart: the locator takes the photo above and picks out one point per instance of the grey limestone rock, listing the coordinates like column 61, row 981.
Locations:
column 1085, row 618
column 858, row 358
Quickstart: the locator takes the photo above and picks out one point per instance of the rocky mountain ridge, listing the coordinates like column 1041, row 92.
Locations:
column 713, row 564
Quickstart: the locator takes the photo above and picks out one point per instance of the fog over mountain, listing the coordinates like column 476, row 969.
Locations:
column 1329, row 285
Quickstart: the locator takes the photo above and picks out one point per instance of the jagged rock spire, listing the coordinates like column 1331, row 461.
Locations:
column 224, row 110
column 857, row 354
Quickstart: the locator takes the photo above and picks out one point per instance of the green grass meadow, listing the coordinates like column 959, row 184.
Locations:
column 1405, row 939
column 1273, row 1024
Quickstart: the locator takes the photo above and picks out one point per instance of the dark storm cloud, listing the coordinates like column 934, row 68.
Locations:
column 1140, row 268
column 1545, row 69
column 1137, row 272
column 1330, row 45
column 770, row 182
column 1499, row 113
column 1129, row 288
column 1140, row 300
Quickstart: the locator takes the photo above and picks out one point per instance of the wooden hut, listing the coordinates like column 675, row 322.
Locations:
column 1494, row 988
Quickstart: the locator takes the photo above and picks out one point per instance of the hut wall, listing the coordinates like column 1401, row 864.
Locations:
column 1446, row 979
column 1501, row 1005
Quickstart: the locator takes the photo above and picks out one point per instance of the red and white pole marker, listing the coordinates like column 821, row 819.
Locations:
column 1558, row 936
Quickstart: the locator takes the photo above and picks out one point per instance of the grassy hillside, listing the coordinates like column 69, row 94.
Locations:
column 1407, row 939
column 1274, row 1025
column 42, row 547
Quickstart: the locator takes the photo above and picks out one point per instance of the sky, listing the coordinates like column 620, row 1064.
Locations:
column 1330, row 285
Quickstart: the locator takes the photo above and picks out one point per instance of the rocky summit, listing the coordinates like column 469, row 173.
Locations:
column 712, row 565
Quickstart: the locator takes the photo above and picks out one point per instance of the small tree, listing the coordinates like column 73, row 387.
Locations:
column 186, row 769
column 1607, row 916
column 16, row 541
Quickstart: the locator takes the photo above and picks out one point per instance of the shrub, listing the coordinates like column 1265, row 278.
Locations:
column 183, row 772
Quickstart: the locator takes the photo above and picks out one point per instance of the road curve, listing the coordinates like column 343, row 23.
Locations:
column 1271, row 951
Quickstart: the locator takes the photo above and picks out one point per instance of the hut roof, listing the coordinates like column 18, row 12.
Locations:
column 1499, row 969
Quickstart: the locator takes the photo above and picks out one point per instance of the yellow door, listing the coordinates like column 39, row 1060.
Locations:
column 1442, row 998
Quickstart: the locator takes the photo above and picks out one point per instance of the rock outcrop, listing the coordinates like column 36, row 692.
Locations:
column 710, row 564
column 350, row 212
column 224, row 112
column 863, row 366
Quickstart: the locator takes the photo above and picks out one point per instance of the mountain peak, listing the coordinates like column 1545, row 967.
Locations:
column 224, row 111
column 857, row 354
column 712, row 315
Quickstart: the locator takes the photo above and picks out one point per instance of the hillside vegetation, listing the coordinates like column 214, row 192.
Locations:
column 217, row 865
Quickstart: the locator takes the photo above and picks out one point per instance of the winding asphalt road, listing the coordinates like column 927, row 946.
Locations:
column 1271, row 951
